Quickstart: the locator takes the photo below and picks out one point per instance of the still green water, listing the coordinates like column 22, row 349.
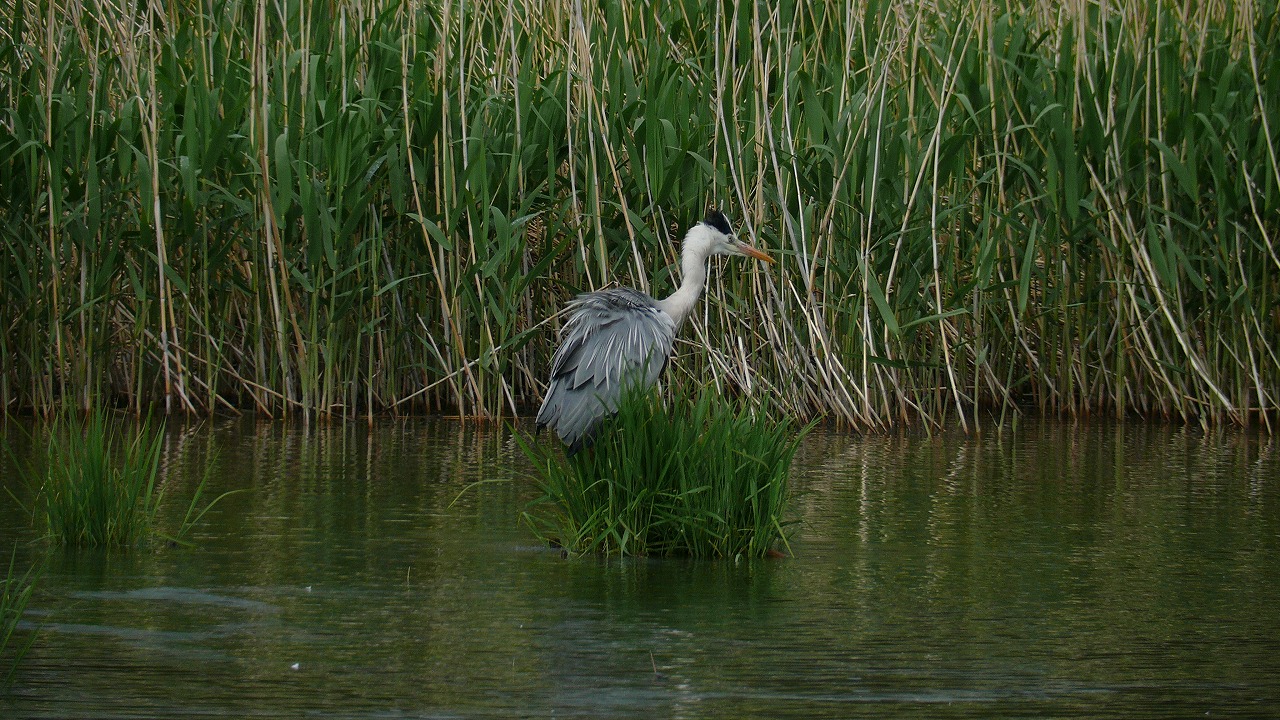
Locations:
column 1056, row 571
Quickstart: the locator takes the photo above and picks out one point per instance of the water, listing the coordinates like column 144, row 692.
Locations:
column 1059, row 571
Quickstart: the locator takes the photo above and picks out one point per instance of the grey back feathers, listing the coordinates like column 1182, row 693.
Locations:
column 613, row 338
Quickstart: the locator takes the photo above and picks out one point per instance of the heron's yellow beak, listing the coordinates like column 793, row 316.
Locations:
column 757, row 254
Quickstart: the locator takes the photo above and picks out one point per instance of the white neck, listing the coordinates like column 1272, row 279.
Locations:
column 693, row 268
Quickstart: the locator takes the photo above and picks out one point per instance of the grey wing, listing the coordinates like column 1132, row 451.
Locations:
column 613, row 337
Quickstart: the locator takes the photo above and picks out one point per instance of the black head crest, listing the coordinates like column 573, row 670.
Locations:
column 717, row 220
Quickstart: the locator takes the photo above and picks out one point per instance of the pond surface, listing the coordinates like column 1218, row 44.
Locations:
column 1056, row 571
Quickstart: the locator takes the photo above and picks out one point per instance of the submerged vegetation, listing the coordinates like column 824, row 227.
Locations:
column 15, row 593
column 700, row 478
column 369, row 206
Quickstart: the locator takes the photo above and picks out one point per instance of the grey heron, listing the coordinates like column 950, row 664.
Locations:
column 619, row 335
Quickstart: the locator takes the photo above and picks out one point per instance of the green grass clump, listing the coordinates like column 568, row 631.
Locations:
column 701, row 478
column 100, row 484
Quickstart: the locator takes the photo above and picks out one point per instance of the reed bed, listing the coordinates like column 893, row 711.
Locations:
column 345, row 208
column 699, row 478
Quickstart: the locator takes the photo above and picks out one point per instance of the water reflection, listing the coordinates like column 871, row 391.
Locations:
column 380, row 572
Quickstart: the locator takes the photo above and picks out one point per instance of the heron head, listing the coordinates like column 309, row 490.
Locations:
column 722, row 241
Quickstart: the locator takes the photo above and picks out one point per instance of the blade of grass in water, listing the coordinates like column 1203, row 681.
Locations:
column 15, row 592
